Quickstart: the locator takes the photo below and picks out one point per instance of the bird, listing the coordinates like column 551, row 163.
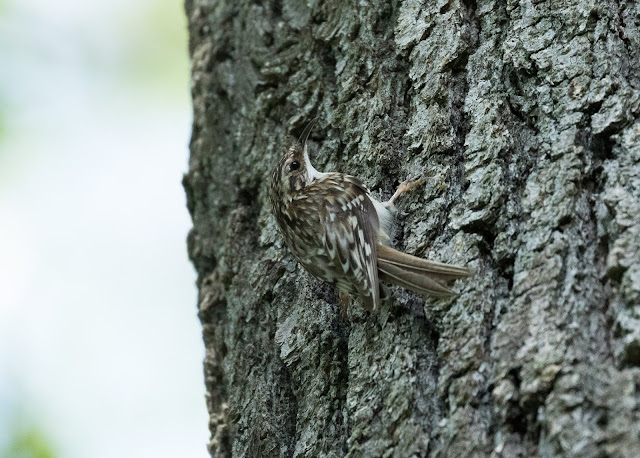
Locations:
column 339, row 232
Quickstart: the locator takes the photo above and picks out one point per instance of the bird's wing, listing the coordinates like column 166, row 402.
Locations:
column 350, row 234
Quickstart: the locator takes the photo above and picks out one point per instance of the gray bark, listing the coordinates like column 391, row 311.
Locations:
column 525, row 117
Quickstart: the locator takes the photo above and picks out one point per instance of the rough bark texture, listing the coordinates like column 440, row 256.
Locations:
column 525, row 116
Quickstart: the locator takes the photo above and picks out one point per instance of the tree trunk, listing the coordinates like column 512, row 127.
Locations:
column 524, row 118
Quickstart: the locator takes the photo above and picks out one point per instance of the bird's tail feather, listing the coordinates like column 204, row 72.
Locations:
column 417, row 274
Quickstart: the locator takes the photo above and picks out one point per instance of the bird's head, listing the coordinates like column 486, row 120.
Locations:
column 294, row 170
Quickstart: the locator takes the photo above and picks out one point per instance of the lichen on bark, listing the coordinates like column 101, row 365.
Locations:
column 524, row 118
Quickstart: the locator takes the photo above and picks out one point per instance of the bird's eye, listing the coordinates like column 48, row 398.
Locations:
column 295, row 165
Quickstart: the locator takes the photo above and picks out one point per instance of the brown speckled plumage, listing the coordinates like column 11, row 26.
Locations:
column 339, row 232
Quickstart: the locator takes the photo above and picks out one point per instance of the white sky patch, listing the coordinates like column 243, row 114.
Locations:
column 99, row 339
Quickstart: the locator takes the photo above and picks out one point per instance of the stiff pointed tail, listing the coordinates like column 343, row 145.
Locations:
column 417, row 274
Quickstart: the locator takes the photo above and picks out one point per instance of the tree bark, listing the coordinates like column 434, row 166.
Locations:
column 524, row 117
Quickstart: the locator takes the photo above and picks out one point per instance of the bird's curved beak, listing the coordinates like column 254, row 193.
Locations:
column 307, row 130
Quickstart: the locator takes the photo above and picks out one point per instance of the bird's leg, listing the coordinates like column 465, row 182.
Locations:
column 405, row 186
column 344, row 305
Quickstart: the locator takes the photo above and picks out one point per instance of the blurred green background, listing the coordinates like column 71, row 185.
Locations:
column 100, row 347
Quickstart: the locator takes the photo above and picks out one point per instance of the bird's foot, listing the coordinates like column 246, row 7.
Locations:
column 405, row 186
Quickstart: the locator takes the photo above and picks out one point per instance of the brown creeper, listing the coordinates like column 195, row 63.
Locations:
column 340, row 233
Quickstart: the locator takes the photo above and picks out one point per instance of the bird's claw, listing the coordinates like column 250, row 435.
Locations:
column 405, row 186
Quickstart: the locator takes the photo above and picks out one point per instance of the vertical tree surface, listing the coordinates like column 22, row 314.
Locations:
column 525, row 119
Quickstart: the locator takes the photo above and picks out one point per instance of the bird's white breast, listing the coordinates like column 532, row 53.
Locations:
column 385, row 217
